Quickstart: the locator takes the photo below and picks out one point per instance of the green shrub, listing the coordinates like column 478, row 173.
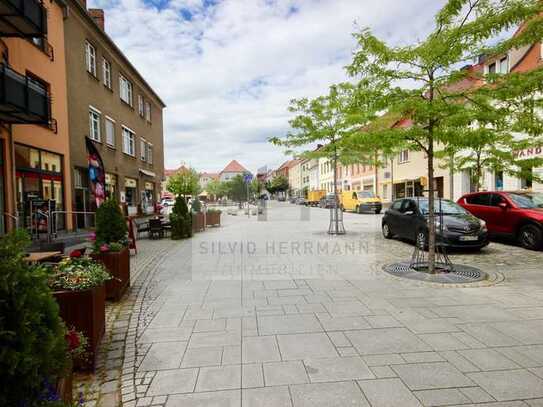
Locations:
column 110, row 224
column 77, row 274
column 180, row 219
column 33, row 348
column 196, row 205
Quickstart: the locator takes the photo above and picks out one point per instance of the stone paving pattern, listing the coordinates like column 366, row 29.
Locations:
column 280, row 322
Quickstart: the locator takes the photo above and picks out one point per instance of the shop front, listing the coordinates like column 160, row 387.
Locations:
column 39, row 186
column 111, row 186
column 147, row 198
column 130, row 196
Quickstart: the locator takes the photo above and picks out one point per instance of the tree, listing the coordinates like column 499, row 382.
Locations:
column 185, row 182
column 216, row 188
column 416, row 80
column 280, row 183
column 328, row 120
column 237, row 189
column 180, row 219
column 256, row 187
column 110, row 224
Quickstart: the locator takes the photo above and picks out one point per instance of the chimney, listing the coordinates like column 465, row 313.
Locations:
column 97, row 15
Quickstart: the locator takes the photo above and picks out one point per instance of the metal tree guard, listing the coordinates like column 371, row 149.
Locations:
column 419, row 258
column 336, row 221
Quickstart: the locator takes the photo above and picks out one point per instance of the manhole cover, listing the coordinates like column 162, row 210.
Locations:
column 461, row 274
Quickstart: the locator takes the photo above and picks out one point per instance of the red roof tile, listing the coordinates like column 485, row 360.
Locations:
column 234, row 166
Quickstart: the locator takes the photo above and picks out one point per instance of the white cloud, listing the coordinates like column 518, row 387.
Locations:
column 227, row 69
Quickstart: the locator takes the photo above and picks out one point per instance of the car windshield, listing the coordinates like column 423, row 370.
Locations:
column 366, row 194
column 528, row 201
column 443, row 207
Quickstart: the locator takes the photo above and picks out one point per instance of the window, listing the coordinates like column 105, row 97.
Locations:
column 148, row 111
column 110, row 131
column 403, row 157
column 90, row 57
column 141, row 106
column 94, row 125
column 129, row 142
column 149, row 153
column 479, row 199
column 396, row 205
column 106, row 68
column 504, row 66
column 125, row 90
column 496, row 199
column 143, row 149
column 492, row 68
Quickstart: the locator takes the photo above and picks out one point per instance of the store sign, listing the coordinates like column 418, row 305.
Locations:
column 528, row 153
column 130, row 183
column 149, row 186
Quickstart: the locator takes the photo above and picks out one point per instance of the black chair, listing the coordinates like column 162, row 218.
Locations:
column 155, row 229
column 142, row 227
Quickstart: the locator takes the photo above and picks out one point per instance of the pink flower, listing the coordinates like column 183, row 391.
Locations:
column 104, row 248
column 75, row 254
column 92, row 236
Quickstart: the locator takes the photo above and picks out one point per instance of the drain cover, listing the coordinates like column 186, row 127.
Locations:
column 461, row 274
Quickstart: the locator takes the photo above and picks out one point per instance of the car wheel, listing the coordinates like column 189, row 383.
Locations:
column 387, row 233
column 342, row 208
column 530, row 237
column 357, row 209
column 421, row 241
column 377, row 211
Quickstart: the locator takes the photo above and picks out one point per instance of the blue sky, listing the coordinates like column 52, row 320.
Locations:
column 228, row 68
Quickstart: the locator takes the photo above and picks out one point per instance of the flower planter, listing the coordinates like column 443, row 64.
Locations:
column 118, row 265
column 213, row 218
column 86, row 312
column 65, row 387
column 198, row 222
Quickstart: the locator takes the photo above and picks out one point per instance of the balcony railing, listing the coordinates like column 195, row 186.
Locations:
column 22, row 100
column 22, row 18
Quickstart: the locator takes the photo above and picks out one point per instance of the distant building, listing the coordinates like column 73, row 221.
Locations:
column 206, row 178
column 231, row 170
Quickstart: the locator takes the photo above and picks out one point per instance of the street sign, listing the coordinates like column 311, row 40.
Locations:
column 247, row 177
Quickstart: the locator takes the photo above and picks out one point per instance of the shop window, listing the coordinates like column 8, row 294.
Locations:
column 498, row 181
column 50, row 162
column 26, row 157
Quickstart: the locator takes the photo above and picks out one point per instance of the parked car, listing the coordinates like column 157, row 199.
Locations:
column 281, row 198
column 167, row 202
column 360, row 201
column 301, row 201
column 328, row 201
column 455, row 227
column 292, row 199
column 517, row 215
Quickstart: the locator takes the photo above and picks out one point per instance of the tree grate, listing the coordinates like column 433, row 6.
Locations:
column 459, row 275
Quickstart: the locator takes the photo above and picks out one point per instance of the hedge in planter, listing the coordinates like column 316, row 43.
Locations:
column 180, row 219
column 79, row 285
column 213, row 217
column 32, row 344
column 111, row 247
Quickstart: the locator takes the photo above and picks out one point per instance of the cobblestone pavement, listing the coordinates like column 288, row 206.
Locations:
column 274, row 312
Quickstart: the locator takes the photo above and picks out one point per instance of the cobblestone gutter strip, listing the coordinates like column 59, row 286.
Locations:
column 114, row 382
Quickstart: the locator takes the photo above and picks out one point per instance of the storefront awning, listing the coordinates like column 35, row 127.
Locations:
column 148, row 173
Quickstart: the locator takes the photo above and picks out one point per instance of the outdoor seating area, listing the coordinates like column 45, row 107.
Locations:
column 154, row 228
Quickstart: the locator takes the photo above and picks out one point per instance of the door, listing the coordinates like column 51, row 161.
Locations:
column 408, row 224
column 393, row 215
column 499, row 218
column 478, row 205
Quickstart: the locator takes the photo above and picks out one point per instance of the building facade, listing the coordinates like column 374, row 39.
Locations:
column 34, row 137
column 111, row 104
column 233, row 169
column 295, row 178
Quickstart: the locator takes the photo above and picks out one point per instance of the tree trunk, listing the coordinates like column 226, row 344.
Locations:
column 376, row 171
column 451, row 177
column 336, row 206
column 431, row 213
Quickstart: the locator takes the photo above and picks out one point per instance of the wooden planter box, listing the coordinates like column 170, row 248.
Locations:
column 198, row 222
column 65, row 387
column 86, row 312
column 118, row 265
column 213, row 218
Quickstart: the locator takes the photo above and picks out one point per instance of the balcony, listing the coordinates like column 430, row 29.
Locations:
column 22, row 99
column 22, row 18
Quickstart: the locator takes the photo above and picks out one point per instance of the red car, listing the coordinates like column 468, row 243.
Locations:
column 511, row 214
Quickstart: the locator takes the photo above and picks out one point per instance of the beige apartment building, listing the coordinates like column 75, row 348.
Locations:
column 111, row 104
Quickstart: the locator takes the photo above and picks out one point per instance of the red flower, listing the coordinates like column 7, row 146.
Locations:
column 75, row 254
column 73, row 339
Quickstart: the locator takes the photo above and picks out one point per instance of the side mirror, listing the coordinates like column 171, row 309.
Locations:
column 409, row 213
column 503, row 205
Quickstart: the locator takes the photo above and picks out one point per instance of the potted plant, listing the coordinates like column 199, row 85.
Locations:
column 32, row 342
column 79, row 288
column 213, row 217
column 77, row 354
column 180, row 220
column 197, row 216
column 111, row 247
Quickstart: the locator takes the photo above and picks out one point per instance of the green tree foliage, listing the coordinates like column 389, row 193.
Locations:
column 415, row 80
column 32, row 344
column 110, row 223
column 280, row 183
column 185, row 182
column 256, row 187
column 196, row 205
column 237, row 189
column 180, row 219
column 216, row 188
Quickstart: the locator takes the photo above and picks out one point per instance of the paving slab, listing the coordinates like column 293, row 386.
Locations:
column 439, row 375
column 283, row 373
column 219, row 378
column 175, row 381
column 338, row 394
column 305, row 346
column 387, row 340
column 337, row 369
column 164, row 355
column 509, row 384
column 260, row 349
column 388, row 393
column 278, row 396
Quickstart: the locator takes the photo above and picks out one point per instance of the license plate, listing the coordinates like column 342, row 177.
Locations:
column 469, row 238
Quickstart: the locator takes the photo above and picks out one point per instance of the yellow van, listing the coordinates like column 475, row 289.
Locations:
column 360, row 201
column 314, row 197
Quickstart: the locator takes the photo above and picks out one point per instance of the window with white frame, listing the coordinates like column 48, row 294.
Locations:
column 143, row 149
column 106, row 71
column 90, row 58
column 404, row 156
column 504, row 65
column 141, row 106
column 149, row 153
column 125, row 90
column 94, row 124
column 148, row 111
column 129, row 142
column 110, row 131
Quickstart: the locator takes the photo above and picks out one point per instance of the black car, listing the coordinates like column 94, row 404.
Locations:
column 457, row 228
column 328, row 201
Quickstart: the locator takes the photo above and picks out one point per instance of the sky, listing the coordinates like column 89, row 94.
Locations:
column 227, row 69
